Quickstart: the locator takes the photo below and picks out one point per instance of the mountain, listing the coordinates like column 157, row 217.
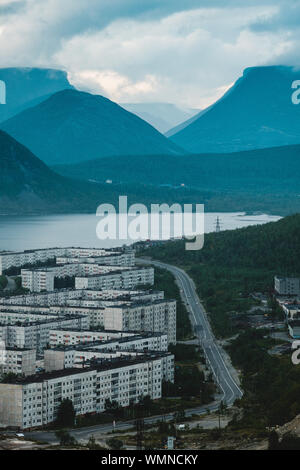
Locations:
column 274, row 170
column 27, row 87
column 257, row 112
column 73, row 126
column 184, row 124
column 162, row 116
column 28, row 186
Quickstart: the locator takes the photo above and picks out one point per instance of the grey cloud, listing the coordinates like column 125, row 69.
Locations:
column 11, row 8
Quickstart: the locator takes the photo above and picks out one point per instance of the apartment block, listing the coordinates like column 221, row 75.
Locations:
column 107, row 258
column 33, row 401
column 84, row 297
column 19, row 259
column 34, row 334
column 287, row 285
column 157, row 316
column 66, row 357
column 126, row 279
column 17, row 361
column 112, row 340
column 42, row 279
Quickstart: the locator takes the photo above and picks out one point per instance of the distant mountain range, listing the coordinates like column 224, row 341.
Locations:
column 77, row 134
column 274, row 170
column 73, row 126
column 27, row 87
column 257, row 112
column 28, row 186
column 162, row 116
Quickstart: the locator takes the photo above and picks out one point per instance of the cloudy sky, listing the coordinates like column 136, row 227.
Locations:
column 186, row 52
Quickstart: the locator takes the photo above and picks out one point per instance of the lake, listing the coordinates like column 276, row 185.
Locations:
column 26, row 232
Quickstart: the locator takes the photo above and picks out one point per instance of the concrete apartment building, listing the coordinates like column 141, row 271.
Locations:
column 157, row 316
column 126, row 279
column 42, row 279
column 66, row 357
column 73, row 337
column 124, row 315
column 33, row 401
column 112, row 340
column 108, row 256
column 82, row 297
column 287, row 285
column 88, row 276
column 35, row 334
column 17, row 361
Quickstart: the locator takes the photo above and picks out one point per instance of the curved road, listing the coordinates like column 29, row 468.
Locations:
column 229, row 387
column 223, row 377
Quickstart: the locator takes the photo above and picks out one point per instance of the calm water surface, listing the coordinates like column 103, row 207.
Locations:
column 22, row 233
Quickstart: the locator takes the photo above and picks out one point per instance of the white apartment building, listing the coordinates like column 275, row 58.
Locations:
column 112, row 340
column 35, row 334
column 145, row 315
column 287, row 285
column 69, row 357
column 17, row 361
column 42, row 279
column 157, row 316
column 33, row 401
column 38, row 280
column 82, row 297
column 18, row 259
column 75, row 337
column 126, row 279
column 107, row 258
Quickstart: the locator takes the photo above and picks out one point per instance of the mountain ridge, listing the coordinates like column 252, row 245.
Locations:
column 72, row 126
column 26, row 86
column 256, row 112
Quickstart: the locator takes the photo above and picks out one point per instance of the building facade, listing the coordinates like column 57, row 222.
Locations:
column 287, row 285
column 17, row 361
column 34, row 401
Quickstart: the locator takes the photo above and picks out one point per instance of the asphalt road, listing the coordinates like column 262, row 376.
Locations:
column 212, row 350
column 230, row 390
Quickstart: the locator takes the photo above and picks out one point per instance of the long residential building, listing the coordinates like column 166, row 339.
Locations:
column 123, row 257
column 87, row 276
column 125, row 279
column 81, row 297
column 34, row 334
column 42, row 279
column 66, row 357
column 112, row 340
column 34, row 401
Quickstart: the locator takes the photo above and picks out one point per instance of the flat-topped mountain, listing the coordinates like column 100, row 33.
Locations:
column 257, row 112
column 27, row 87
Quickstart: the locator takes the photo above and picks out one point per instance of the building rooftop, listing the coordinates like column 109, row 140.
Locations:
column 120, row 249
column 20, row 323
column 118, row 270
column 92, row 345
